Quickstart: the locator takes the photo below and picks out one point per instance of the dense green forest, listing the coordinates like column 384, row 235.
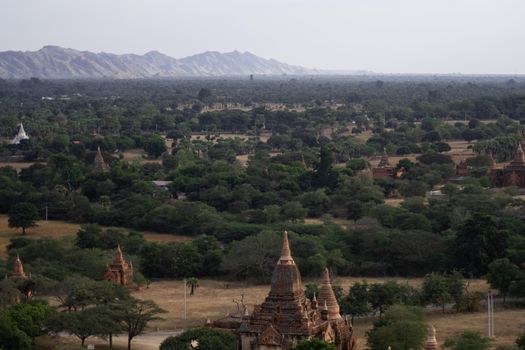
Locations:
column 240, row 161
column 305, row 161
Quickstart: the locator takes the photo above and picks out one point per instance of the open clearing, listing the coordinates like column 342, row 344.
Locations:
column 214, row 300
column 58, row 229
column 17, row 165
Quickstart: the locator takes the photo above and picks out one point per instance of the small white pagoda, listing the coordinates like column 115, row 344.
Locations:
column 20, row 136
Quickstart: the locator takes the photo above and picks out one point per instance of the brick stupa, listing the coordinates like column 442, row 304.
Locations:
column 431, row 343
column 18, row 268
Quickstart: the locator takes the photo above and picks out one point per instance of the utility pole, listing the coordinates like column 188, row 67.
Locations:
column 490, row 311
column 46, row 212
column 185, row 299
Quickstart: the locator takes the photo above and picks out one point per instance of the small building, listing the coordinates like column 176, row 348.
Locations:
column 385, row 169
column 511, row 175
column 22, row 135
column 120, row 271
column 462, row 169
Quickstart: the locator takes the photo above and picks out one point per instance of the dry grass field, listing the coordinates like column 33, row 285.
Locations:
column 58, row 229
column 214, row 300
column 17, row 165
column 137, row 155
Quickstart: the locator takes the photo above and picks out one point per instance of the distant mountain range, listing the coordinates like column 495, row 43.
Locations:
column 54, row 62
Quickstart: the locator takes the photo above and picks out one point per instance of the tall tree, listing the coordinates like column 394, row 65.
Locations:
column 478, row 243
column 193, row 283
column 23, row 215
column 501, row 275
column 135, row 314
column 402, row 328
column 468, row 340
column 314, row 344
column 201, row 338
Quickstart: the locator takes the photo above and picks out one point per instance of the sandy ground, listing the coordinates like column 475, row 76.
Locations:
column 17, row 165
column 58, row 229
column 214, row 299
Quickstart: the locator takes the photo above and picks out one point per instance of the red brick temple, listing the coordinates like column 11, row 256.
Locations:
column 286, row 316
column 383, row 169
column 512, row 174
column 120, row 271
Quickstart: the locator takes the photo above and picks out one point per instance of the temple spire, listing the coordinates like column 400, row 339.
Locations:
column 431, row 343
column 18, row 268
column 286, row 278
column 20, row 136
column 286, row 253
column 99, row 162
column 119, row 257
column 327, row 296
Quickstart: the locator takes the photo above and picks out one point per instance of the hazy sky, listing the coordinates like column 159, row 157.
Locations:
column 391, row 36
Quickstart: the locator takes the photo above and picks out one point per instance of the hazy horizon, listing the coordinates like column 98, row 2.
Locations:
column 403, row 36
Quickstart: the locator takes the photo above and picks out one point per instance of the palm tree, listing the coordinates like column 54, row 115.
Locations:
column 193, row 283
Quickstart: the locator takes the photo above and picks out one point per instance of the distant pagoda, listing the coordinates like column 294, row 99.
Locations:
column 22, row 135
column 513, row 174
column 99, row 162
column 431, row 343
column 286, row 316
column 383, row 168
column 18, row 268
column 120, row 271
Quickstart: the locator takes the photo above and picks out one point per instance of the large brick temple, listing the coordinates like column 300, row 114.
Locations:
column 286, row 316
column 513, row 174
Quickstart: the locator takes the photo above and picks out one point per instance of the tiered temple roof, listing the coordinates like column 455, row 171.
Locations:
column 286, row 316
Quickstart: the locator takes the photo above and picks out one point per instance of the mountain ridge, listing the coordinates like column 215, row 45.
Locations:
column 55, row 62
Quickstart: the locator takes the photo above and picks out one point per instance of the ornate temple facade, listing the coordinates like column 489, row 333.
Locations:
column 22, row 135
column 286, row 316
column 120, row 271
column 511, row 175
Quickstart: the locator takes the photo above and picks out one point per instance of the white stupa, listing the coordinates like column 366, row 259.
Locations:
column 20, row 136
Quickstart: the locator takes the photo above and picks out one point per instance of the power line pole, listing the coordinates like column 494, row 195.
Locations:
column 490, row 310
column 46, row 212
column 185, row 299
